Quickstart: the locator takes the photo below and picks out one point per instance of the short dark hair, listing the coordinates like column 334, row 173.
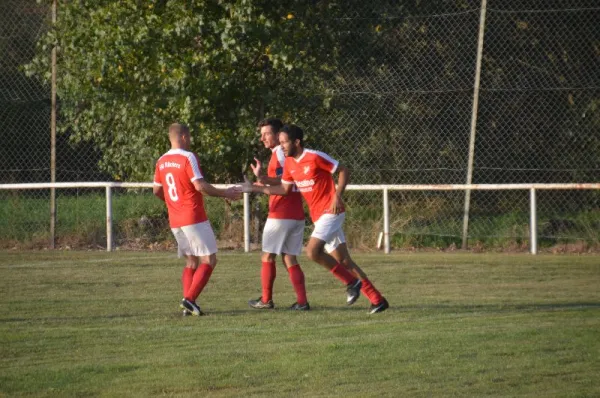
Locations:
column 178, row 129
column 294, row 132
column 276, row 124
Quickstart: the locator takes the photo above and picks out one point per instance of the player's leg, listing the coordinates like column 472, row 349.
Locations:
column 291, row 250
column 342, row 255
column 296, row 276
column 271, row 246
column 327, row 232
column 202, row 244
column 191, row 264
column 268, row 272
column 184, row 250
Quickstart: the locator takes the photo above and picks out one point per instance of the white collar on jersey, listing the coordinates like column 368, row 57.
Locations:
column 177, row 151
column 301, row 156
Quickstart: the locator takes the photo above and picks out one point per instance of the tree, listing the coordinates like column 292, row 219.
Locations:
column 127, row 69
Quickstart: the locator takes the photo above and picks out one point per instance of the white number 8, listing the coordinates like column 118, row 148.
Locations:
column 172, row 187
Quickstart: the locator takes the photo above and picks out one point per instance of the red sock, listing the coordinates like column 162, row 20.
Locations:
column 297, row 278
column 267, row 277
column 371, row 292
column 186, row 279
column 201, row 277
column 343, row 274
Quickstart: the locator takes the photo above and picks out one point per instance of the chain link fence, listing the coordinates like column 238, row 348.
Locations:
column 400, row 113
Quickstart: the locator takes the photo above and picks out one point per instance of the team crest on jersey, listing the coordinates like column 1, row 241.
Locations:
column 306, row 169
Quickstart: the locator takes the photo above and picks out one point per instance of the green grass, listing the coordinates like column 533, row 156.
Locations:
column 108, row 324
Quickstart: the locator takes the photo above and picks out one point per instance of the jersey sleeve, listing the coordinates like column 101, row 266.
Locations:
column 286, row 177
column 192, row 168
column 157, row 181
column 326, row 162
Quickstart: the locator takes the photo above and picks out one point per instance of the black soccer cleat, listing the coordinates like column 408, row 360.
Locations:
column 191, row 307
column 382, row 306
column 300, row 307
column 353, row 292
column 261, row 305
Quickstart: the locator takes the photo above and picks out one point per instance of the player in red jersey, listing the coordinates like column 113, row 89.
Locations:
column 311, row 171
column 179, row 182
column 284, row 229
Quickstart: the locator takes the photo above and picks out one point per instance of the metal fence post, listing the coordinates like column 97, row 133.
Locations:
column 109, row 216
column 465, row 232
column 533, row 221
column 386, row 221
column 53, row 138
column 246, row 222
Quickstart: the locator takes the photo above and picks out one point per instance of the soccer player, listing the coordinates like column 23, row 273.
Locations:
column 179, row 182
column 284, row 229
column 312, row 172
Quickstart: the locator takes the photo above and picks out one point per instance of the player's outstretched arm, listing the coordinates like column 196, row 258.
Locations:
column 207, row 189
column 281, row 189
column 263, row 179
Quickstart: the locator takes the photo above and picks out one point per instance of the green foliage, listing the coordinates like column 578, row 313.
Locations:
column 127, row 69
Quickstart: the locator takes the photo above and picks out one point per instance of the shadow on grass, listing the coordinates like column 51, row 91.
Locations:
column 443, row 308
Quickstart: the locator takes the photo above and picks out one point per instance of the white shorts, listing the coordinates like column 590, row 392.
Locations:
column 328, row 228
column 283, row 236
column 195, row 240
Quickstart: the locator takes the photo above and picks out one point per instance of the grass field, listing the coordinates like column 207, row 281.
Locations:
column 108, row 324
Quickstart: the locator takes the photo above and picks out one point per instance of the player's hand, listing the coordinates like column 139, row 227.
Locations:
column 246, row 187
column 337, row 204
column 256, row 168
column 232, row 193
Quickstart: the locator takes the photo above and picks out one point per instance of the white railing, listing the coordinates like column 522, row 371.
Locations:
column 532, row 188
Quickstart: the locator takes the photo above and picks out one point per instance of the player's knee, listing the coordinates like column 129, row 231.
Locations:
column 192, row 262
column 313, row 252
column 210, row 260
column 268, row 257
column 346, row 262
column 289, row 260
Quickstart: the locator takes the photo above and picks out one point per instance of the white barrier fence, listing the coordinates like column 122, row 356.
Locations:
column 532, row 188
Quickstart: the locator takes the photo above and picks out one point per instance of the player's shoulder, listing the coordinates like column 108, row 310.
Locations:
column 182, row 153
column 163, row 157
column 313, row 154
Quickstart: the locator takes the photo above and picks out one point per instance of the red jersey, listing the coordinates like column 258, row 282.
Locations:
column 283, row 207
column 312, row 173
column 175, row 171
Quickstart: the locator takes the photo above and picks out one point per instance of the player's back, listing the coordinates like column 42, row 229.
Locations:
column 175, row 171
